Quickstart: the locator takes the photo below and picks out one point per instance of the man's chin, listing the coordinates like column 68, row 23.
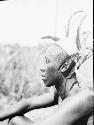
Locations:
column 47, row 84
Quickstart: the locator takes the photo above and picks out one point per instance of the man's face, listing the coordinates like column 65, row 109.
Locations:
column 49, row 68
column 56, row 65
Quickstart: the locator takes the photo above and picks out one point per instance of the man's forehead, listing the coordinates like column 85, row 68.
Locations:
column 51, row 52
column 55, row 51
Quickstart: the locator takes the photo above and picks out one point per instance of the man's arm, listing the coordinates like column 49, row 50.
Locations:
column 26, row 105
column 77, row 107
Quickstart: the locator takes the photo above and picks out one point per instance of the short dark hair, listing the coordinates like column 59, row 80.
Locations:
column 62, row 57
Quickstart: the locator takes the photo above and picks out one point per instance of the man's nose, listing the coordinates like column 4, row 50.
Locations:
column 42, row 69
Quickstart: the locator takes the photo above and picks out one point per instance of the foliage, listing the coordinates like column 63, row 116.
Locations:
column 19, row 66
column 19, row 73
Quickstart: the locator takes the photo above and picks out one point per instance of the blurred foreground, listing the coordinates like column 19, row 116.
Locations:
column 19, row 73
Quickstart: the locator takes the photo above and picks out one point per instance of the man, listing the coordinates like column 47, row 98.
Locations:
column 75, row 102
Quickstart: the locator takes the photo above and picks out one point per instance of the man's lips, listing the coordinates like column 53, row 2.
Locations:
column 43, row 78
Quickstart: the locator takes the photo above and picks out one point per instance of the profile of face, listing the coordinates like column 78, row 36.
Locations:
column 54, row 64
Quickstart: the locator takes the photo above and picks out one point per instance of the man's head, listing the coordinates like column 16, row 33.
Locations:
column 56, row 65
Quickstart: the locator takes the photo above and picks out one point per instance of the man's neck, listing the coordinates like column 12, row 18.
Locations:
column 71, row 81
column 64, row 87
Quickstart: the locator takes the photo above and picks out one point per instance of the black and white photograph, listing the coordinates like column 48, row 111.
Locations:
column 46, row 62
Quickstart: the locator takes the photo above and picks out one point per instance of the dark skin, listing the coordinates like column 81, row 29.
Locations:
column 75, row 104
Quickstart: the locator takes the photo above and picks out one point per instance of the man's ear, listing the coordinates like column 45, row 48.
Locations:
column 68, row 69
column 64, row 67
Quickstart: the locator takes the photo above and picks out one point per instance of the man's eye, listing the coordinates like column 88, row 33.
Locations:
column 46, row 60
